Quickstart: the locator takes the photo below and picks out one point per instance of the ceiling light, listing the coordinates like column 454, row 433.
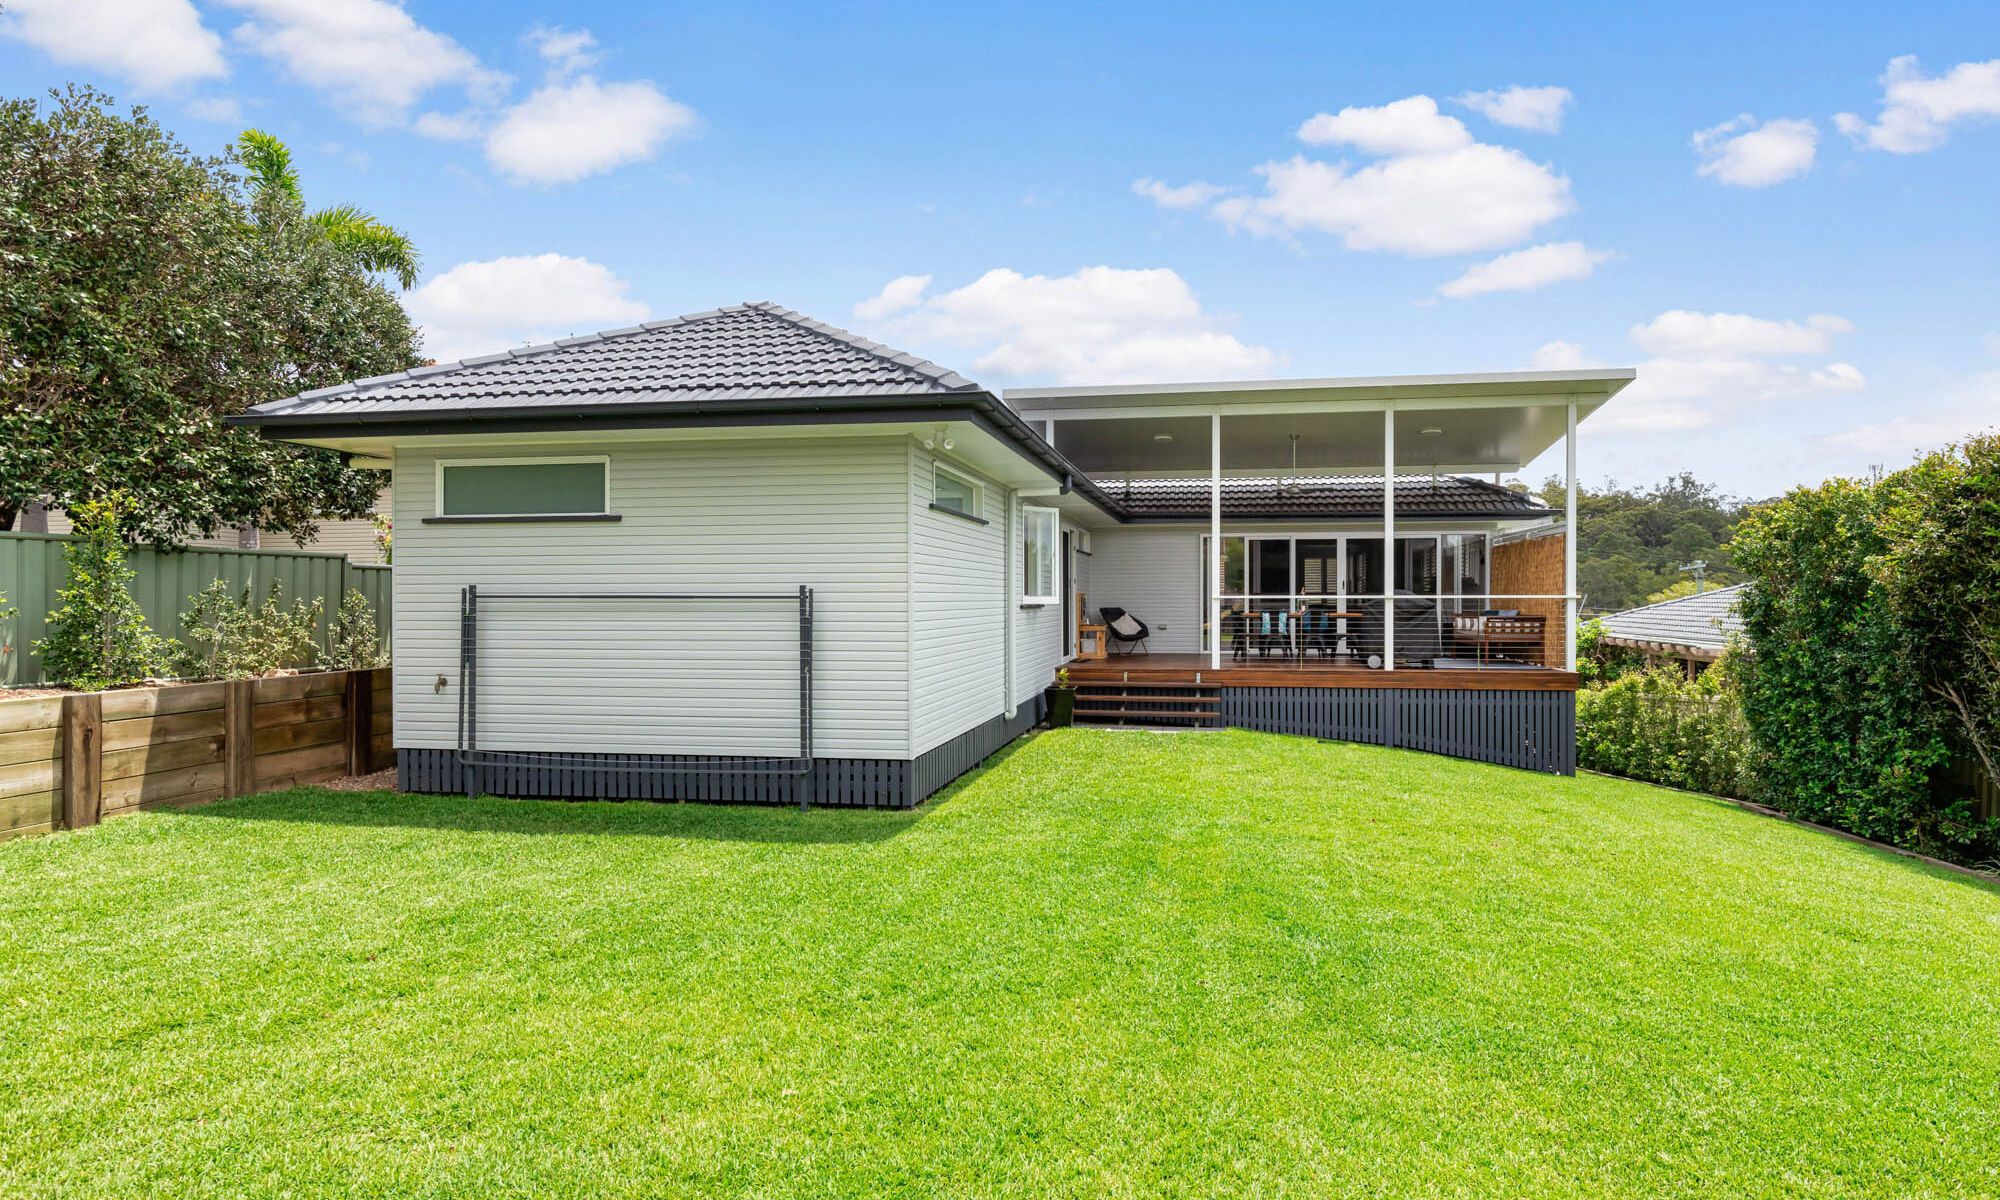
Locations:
column 1431, row 431
column 1163, row 437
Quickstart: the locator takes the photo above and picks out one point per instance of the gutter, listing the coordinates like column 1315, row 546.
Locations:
column 980, row 408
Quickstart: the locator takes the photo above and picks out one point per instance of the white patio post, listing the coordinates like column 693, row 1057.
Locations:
column 1569, row 541
column 1389, row 537
column 1215, row 555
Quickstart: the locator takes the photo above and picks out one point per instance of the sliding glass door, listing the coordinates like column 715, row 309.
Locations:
column 1328, row 595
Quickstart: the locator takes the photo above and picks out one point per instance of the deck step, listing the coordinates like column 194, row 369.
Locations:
column 1138, row 705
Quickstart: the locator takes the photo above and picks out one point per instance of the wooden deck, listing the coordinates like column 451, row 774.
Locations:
column 1189, row 669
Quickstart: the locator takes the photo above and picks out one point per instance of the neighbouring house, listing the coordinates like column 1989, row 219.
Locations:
column 1691, row 630
column 743, row 555
column 356, row 539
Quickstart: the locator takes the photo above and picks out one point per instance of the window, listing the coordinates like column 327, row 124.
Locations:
column 524, row 487
column 1038, row 554
column 955, row 493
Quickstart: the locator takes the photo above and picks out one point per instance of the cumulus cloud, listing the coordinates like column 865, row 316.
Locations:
column 154, row 43
column 1539, row 109
column 369, row 56
column 1734, row 335
column 1746, row 154
column 482, row 307
column 570, row 129
column 1919, row 110
column 1526, row 270
column 1408, row 126
column 1967, row 407
column 1564, row 356
column 904, row 291
column 566, row 50
column 1098, row 325
column 1433, row 190
column 1187, row 195
column 1705, row 365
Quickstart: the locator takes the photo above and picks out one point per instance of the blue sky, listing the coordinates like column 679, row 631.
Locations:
column 1153, row 191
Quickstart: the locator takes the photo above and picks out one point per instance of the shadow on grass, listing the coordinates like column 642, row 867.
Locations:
column 604, row 818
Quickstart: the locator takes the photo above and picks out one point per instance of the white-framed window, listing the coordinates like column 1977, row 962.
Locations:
column 576, row 486
column 1040, row 535
column 954, row 492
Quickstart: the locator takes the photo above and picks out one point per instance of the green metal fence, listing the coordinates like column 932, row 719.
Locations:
column 32, row 569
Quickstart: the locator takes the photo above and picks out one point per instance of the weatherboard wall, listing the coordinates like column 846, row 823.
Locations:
column 678, row 678
column 958, row 608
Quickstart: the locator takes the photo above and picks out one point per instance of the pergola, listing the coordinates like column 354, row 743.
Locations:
column 1451, row 424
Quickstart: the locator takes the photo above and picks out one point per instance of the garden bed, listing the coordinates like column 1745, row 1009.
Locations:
column 69, row 759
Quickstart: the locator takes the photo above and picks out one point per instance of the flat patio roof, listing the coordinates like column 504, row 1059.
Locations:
column 1477, row 423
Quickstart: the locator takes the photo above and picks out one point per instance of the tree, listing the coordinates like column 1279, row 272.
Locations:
column 145, row 297
column 372, row 245
column 1630, row 544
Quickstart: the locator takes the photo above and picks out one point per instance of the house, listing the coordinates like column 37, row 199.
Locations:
column 743, row 555
column 1693, row 630
column 355, row 539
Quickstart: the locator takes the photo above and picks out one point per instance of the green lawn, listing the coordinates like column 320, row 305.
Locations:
column 1113, row 964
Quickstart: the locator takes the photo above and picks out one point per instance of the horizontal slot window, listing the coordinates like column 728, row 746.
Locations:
column 534, row 488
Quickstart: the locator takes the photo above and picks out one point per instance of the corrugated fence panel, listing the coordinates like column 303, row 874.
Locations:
column 1535, row 731
column 32, row 571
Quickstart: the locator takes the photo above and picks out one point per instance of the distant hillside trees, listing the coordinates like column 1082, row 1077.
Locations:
column 1631, row 543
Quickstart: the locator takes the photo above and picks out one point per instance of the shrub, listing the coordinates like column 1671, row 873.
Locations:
column 356, row 645
column 1848, row 732
column 226, row 636
column 99, row 636
column 1663, row 728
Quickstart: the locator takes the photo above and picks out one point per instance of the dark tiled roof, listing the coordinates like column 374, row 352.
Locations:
column 1335, row 496
column 1701, row 622
column 744, row 352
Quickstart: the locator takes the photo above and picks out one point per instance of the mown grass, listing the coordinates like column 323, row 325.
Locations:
column 1115, row 964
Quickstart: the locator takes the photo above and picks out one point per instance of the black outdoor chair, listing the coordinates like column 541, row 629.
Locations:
column 1125, row 628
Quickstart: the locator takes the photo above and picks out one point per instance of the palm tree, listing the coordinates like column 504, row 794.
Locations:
column 373, row 245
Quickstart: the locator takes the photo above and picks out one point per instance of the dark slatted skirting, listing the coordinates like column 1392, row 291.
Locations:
column 1532, row 730
column 836, row 782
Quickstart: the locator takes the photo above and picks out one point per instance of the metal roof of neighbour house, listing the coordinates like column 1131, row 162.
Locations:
column 747, row 351
column 1319, row 498
column 1701, row 624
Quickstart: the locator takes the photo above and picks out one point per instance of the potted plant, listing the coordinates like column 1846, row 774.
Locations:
column 1062, row 700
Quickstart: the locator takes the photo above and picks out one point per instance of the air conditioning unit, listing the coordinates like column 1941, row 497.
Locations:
column 1082, row 541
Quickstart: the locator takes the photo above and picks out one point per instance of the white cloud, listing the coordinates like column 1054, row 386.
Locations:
column 482, row 307
column 451, row 127
column 1681, row 332
column 154, row 43
column 369, row 56
column 1437, row 191
column 1526, row 270
column 1760, row 155
column 1970, row 407
column 1564, row 356
column 1187, row 195
column 223, row 110
column 1919, row 110
column 899, row 293
column 1705, row 366
column 1412, row 125
column 1098, row 325
column 566, row 50
column 1539, row 109
column 571, row 129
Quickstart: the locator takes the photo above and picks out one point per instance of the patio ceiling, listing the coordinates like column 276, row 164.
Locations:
column 1463, row 423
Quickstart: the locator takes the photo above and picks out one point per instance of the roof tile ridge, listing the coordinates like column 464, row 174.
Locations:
column 943, row 376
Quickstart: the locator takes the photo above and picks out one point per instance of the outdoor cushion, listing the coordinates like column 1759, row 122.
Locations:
column 1124, row 626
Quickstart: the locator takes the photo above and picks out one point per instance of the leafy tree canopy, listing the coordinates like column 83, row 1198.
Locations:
column 147, row 294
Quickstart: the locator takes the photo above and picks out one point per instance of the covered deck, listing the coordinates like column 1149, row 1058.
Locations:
column 1327, row 557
